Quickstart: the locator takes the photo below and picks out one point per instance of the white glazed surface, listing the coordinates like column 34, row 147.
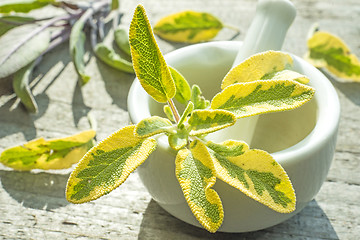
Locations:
column 307, row 162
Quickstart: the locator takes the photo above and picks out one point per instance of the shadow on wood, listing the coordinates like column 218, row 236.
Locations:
column 41, row 190
column 311, row 221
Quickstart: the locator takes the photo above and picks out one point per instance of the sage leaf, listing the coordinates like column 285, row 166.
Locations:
column 197, row 99
column 77, row 47
column 196, row 175
column 189, row 108
column 178, row 140
column 188, row 27
column 208, row 121
column 121, row 37
column 152, row 126
column 107, row 165
column 258, row 66
column 48, row 154
column 7, row 6
column 329, row 51
column 112, row 59
column 262, row 96
column 253, row 172
column 10, row 22
column 149, row 64
column 169, row 114
column 115, row 4
column 22, row 89
column 19, row 47
column 183, row 90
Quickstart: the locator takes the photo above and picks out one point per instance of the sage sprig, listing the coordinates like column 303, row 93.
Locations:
column 198, row 162
column 25, row 39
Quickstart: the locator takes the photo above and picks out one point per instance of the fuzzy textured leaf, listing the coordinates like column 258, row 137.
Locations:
column 149, row 64
column 262, row 96
column 77, row 48
column 189, row 108
column 183, row 90
column 195, row 173
column 121, row 37
column 10, row 22
column 208, row 121
column 22, row 89
column 7, row 6
column 52, row 154
column 152, row 126
column 112, row 59
column 255, row 173
column 257, row 67
column 19, row 48
column 107, row 165
column 197, row 99
column 188, row 27
column 329, row 51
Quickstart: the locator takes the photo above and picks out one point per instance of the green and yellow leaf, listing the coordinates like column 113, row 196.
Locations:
column 196, row 97
column 149, row 64
column 257, row 67
column 287, row 75
column 152, row 126
column 44, row 154
column 195, row 172
column 169, row 114
column 329, row 51
column 262, row 96
column 107, row 165
column 255, row 173
column 183, row 90
column 189, row 108
column 178, row 140
column 188, row 27
column 208, row 121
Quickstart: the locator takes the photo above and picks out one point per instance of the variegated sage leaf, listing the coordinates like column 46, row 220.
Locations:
column 255, row 173
column 169, row 114
column 287, row 75
column 7, row 6
column 149, row 64
column 195, row 173
column 329, row 51
column 189, row 108
column 107, row 165
column 152, row 126
column 188, row 27
column 179, row 139
column 208, row 121
column 48, row 154
column 257, row 67
column 183, row 90
column 199, row 101
column 262, row 96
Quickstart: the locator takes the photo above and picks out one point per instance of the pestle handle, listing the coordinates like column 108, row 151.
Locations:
column 266, row 32
column 268, row 29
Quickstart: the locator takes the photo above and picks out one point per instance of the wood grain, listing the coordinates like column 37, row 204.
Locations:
column 33, row 206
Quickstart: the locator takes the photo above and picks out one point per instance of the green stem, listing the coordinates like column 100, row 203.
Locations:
column 174, row 110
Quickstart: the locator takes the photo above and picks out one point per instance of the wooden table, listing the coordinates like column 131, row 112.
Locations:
column 33, row 206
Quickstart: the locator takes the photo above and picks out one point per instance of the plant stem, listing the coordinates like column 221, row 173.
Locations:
column 37, row 31
column 174, row 111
